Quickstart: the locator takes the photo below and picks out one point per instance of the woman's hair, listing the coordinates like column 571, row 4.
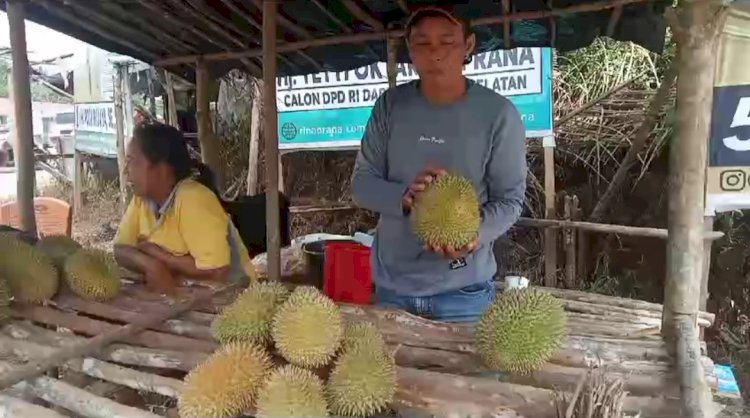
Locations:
column 161, row 143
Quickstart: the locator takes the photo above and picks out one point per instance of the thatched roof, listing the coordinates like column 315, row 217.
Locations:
column 153, row 30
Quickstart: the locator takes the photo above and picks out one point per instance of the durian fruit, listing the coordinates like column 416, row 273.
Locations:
column 447, row 212
column 92, row 274
column 29, row 272
column 58, row 247
column 249, row 317
column 292, row 391
column 361, row 332
column 362, row 382
column 226, row 383
column 521, row 330
column 4, row 300
column 307, row 328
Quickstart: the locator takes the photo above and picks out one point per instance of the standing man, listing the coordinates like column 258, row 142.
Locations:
column 418, row 131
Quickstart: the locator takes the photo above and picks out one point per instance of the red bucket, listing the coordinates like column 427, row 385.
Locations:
column 346, row 272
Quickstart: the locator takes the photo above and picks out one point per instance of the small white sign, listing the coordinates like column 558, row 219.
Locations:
column 96, row 117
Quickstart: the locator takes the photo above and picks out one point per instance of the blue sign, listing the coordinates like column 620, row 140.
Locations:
column 330, row 110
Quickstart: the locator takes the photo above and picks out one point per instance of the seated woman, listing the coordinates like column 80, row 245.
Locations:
column 175, row 225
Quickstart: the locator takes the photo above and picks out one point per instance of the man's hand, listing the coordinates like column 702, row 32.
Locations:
column 419, row 184
column 453, row 253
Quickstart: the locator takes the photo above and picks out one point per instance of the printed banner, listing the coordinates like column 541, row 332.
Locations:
column 95, row 128
column 728, row 173
column 329, row 110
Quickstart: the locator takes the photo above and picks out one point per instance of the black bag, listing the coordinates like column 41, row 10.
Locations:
column 248, row 214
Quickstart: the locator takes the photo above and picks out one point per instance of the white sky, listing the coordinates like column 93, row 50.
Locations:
column 41, row 42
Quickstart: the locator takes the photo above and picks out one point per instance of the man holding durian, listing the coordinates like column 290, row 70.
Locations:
column 441, row 140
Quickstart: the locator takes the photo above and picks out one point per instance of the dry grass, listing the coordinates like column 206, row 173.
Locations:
column 596, row 395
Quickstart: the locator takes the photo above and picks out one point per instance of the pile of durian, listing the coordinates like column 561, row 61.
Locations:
column 34, row 273
column 290, row 354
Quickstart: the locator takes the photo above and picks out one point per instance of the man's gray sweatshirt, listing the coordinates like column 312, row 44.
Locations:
column 481, row 137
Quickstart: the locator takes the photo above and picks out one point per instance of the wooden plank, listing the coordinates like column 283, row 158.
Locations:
column 104, row 310
column 103, row 339
column 93, row 327
column 11, row 407
column 134, row 379
column 119, row 353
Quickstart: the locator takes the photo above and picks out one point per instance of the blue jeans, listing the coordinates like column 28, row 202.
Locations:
column 463, row 305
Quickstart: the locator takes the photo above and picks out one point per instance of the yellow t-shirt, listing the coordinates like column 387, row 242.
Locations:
column 192, row 222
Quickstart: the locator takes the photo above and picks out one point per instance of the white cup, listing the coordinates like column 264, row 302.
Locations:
column 516, row 282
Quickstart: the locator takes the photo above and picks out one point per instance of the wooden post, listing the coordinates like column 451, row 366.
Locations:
column 77, row 182
column 252, row 160
column 550, row 234
column 392, row 68
column 708, row 226
column 120, row 75
column 24, row 131
column 270, row 131
column 151, row 96
column 696, row 26
column 569, row 234
column 209, row 145
column 171, row 102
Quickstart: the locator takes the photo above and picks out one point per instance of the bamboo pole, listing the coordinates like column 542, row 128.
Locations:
column 696, row 26
column 270, row 131
column 381, row 35
column 24, row 131
column 607, row 228
column 102, row 340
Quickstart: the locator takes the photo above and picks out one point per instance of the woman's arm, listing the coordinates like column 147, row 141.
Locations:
column 183, row 265
column 158, row 276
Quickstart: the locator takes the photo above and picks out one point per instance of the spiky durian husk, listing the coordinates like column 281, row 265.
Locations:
column 250, row 316
column 521, row 330
column 361, row 332
column 28, row 271
column 92, row 274
column 362, row 383
column 58, row 248
column 292, row 391
column 307, row 328
column 446, row 213
column 226, row 383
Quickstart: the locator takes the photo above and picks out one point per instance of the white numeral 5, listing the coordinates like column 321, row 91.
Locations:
column 741, row 118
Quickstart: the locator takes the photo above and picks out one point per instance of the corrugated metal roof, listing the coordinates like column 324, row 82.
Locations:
column 150, row 30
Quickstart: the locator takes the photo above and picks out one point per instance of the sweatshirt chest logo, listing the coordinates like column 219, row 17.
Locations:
column 431, row 139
